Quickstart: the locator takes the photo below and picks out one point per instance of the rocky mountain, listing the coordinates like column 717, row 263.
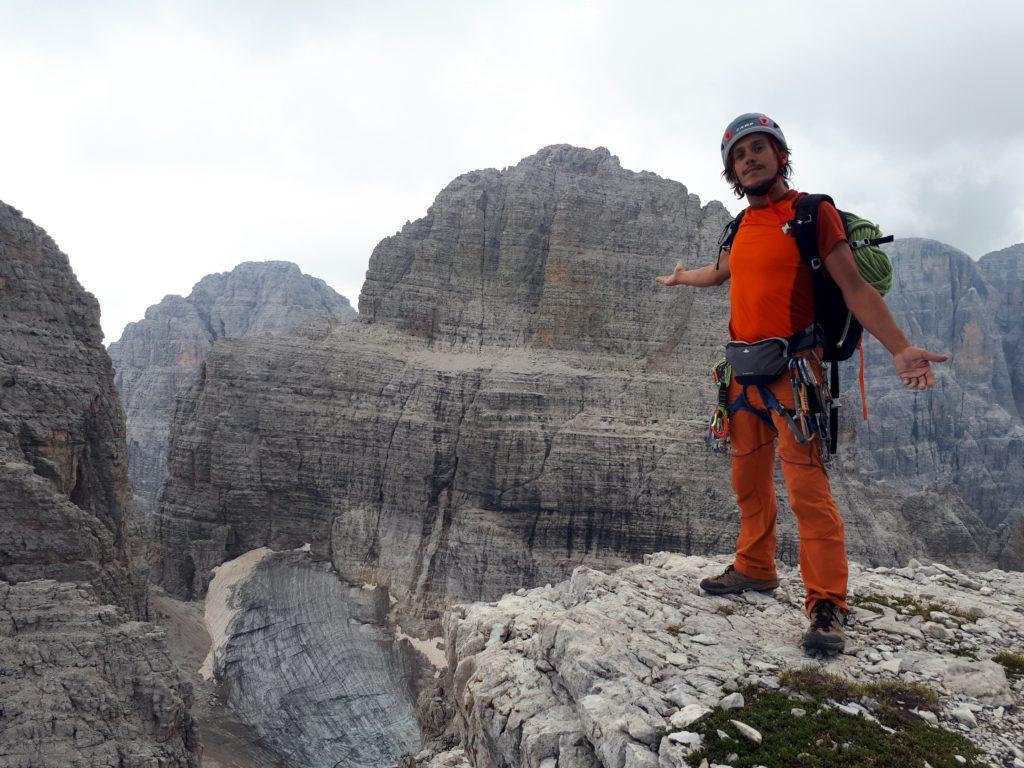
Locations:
column 158, row 358
column 1004, row 271
column 82, row 680
column 518, row 399
column 967, row 434
column 626, row 669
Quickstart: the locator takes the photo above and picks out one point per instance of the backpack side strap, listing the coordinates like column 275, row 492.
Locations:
column 728, row 235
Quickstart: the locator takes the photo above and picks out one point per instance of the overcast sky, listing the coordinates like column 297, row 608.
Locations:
column 158, row 142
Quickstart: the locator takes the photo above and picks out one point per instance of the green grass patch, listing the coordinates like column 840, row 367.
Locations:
column 891, row 694
column 908, row 606
column 900, row 694
column 1013, row 663
column 826, row 738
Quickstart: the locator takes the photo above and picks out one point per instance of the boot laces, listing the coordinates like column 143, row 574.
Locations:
column 824, row 614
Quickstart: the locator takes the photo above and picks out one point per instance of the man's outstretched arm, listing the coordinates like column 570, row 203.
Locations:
column 913, row 364
column 702, row 277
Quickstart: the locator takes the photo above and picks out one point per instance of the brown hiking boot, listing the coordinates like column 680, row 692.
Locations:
column 732, row 582
column 826, row 630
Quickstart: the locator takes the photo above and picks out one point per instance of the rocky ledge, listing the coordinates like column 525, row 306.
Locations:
column 619, row 669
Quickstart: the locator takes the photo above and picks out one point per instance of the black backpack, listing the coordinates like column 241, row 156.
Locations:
column 839, row 331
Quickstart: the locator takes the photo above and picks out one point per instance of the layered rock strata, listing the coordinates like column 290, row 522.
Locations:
column 967, row 434
column 81, row 685
column 592, row 671
column 311, row 665
column 1004, row 271
column 63, row 467
column 158, row 358
column 82, row 681
column 520, row 398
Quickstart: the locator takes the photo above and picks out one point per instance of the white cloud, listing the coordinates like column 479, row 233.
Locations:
column 160, row 142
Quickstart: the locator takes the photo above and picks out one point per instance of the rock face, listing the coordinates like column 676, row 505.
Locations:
column 596, row 670
column 968, row 433
column 81, row 682
column 308, row 662
column 1004, row 271
column 558, row 252
column 520, row 398
column 158, row 358
column 63, row 468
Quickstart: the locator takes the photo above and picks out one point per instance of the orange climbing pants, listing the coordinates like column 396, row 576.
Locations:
column 822, row 541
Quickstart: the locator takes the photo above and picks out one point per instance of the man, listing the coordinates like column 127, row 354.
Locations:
column 772, row 295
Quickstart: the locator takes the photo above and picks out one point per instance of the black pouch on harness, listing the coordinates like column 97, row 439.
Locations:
column 758, row 363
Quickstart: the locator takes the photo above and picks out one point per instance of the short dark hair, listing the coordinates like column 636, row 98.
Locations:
column 787, row 167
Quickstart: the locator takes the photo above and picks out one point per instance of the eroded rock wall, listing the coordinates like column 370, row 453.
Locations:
column 81, row 685
column 1004, row 271
column 470, row 436
column 82, row 680
column 63, row 480
column 161, row 356
column 967, row 434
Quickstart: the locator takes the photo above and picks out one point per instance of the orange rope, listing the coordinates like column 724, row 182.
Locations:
column 863, row 390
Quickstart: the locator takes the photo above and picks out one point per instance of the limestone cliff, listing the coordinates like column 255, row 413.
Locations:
column 519, row 398
column 158, row 358
column 1004, row 271
column 967, row 434
column 82, row 681
column 63, row 482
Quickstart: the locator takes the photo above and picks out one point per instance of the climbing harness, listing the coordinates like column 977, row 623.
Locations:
column 757, row 365
column 838, row 331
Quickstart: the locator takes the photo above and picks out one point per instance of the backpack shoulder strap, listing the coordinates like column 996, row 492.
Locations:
column 804, row 227
column 728, row 235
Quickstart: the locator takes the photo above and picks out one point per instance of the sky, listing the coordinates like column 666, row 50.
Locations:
column 158, row 142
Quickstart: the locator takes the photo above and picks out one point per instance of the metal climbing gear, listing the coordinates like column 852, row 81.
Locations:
column 718, row 427
column 761, row 363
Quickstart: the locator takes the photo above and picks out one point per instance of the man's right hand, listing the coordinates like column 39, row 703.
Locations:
column 676, row 278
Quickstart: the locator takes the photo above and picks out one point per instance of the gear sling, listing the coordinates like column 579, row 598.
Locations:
column 835, row 329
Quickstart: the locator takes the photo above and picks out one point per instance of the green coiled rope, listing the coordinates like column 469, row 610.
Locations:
column 872, row 263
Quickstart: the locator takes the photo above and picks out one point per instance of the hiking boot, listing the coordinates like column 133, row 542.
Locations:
column 826, row 630
column 732, row 582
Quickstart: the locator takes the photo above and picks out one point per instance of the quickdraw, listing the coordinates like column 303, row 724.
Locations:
column 813, row 400
column 718, row 427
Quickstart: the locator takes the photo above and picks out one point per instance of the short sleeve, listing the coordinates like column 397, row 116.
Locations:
column 830, row 229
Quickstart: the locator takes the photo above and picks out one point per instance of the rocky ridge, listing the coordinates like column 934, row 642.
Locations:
column 519, row 398
column 82, row 680
column 161, row 356
column 608, row 669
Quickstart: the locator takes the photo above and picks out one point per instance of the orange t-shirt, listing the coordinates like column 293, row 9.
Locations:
column 771, row 290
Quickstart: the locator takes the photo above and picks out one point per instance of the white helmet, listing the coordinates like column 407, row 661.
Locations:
column 751, row 122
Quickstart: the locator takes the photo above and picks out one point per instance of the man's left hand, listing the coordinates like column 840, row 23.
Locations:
column 913, row 365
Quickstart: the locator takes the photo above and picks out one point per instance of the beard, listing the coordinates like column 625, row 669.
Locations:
column 761, row 189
